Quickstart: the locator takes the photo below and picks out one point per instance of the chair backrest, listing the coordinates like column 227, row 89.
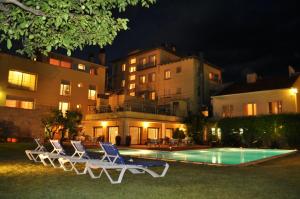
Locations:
column 111, row 153
column 39, row 147
column 80, row 151
column 57, row 148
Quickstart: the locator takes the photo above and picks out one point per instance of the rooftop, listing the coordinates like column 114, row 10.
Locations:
column 271, row 83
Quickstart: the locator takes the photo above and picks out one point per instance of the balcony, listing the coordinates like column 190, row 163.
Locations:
column 137, row 107
column 148, row 65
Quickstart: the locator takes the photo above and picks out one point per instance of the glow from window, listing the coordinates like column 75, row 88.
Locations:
column 123, row 83
column 132, row 69
column 152, row 95
column 24, row 104
column 142, row 79
column 64, row 106
column 132, row 77
column 24, row 80
column 132, row 86
column 167, row 74
column 132, row 94
column 133, row 61
column 250, row 109
column 81, row 67
column 123, row 67
column 65, row 89
column 92, row 94
column 153, row 59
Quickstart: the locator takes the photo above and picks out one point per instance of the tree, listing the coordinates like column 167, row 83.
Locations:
column 58, row 122
column 43, row 25
column 195, row 125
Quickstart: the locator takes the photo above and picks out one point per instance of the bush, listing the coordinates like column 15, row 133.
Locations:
column 275, row 131
column 118, row 140
column 178, row 134
column 128, row 140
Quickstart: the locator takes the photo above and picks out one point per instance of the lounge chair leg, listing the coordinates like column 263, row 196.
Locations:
column 119, row 178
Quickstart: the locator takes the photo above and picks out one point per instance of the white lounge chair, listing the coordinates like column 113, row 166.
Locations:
column 116, row 162
column 55, row 154
column 34, row 154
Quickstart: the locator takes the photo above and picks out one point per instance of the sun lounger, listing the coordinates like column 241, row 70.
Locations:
column 112, row 160
column 34, row 154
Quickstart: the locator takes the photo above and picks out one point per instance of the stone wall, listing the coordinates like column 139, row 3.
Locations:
column 27, row 122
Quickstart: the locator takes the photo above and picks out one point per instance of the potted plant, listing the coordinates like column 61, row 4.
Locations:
column 118, row 140
column 128, row 140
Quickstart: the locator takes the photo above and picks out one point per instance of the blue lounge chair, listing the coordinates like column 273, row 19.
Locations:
column 112, row 160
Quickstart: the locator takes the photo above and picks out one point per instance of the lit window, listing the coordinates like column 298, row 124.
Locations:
column 152, row 59
column 132, row 86
column 133, row 61
column 55, row 62
column 65, row 88
column 64, row 107
column 151, row 77
column 178, row 91
column 152, row 95
column 81, row 67
column 142, row 79
column 227, row 110
column 123, row 83
column 20, row 79
column 153, row 133
column 143, row 61
column 275, row 107
column 92, row 95
column 15, row 103
column 132, row 77
column 178, row 69
column 65, row 64
column 167, row 74
column 250, row 109
column 123, row 67
column 132, row 94
column 93, row 71
column 210, row 76
column 132, row 69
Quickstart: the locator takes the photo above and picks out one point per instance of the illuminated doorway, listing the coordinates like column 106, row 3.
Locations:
column 112, row 133
column 135, row 133
column 153, row 133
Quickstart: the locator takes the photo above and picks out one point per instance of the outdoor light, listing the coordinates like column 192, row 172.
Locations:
column 104, row 124
column 145, row 124
column 294, row 91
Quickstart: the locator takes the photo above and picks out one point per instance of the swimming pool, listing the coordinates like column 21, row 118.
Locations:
column 219, row 156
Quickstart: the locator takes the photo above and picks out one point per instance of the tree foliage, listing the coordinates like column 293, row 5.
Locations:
column 43, row 25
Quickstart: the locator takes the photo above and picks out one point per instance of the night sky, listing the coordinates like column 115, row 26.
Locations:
column 240, row 36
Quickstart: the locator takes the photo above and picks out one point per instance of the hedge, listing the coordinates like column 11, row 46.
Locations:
column 275, row 131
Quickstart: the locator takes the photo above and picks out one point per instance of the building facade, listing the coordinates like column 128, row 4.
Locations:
column 178, row 84
column 258, row 97
column 29, row 88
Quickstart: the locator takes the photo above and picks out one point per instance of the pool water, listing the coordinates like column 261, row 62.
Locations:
column 224, row 156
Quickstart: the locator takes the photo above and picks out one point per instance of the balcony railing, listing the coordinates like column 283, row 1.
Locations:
column 148, row 65
column 132, row 107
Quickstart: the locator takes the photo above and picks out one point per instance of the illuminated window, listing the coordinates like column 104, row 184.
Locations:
column 211, row 76
column 133, row 61
column 64, row 107
column 123, row 83
column 132, row 94
column 167, row 74
column 153, row 133
column 178, row 69
column 81, row 67
column 65, row 64
column 151, row 77
column 250, row 109
column 227, row 110
column 152, row 60
column 92, row 95
column 65, row 88
column 16, row 103
column 275, row 107
column 142, row 79
column 93, row 71
column 132, row 69
column 152, row 95
column 55, row 62
column 132, row 77
column 143, row 61
column 20, row 79
column 132, row 86
column 123, row 67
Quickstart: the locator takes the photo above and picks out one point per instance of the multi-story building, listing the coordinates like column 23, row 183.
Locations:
column 180, row 84
column 151, row 93
column 29, row 88
column 274, row 95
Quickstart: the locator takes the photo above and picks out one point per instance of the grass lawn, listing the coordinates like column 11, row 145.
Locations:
column 20, row 178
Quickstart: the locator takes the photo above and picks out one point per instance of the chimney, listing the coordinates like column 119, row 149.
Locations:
column 102, row 57
column 251, row 78
column 291, row 71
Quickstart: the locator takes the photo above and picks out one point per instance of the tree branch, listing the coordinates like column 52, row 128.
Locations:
column 21, row 5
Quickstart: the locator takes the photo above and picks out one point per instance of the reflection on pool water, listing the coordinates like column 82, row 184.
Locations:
column 228, row 156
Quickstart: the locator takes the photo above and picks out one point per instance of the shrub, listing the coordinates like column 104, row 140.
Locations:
column 275, row 131
column 178, row 134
